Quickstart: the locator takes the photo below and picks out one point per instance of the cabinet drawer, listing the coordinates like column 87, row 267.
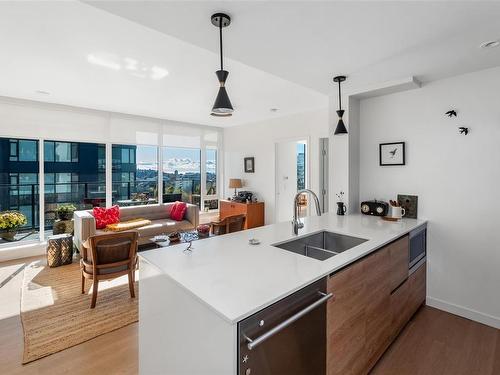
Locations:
column 399, row 308
column 418, row 290
column 399, row 253
column 232, row 208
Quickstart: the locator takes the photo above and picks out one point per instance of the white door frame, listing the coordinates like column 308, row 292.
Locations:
column 306, row 138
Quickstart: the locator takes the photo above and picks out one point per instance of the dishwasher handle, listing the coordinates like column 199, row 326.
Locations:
column 251, row 344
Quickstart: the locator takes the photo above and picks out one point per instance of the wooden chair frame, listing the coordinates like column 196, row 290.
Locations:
column 96, row 276
column 227, row 221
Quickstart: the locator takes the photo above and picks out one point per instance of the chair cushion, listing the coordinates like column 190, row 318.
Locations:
column 105, row 216
column 178, row 211
column 105, row 271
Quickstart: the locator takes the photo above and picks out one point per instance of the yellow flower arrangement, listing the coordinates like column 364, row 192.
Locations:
column 11, row 220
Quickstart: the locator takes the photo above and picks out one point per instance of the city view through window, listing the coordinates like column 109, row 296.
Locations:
column 301, row 165
column 75, row 173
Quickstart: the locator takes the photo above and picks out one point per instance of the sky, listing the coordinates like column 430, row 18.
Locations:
column 184, row 160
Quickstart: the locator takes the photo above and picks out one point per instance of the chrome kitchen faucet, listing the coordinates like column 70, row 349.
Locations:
column 296, row 223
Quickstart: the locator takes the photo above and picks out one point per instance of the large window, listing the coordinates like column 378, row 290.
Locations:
column 211, row 171
column 74, row 174
column 211, row 179
column 182, row 175
column 135, row 175
column 19, row 190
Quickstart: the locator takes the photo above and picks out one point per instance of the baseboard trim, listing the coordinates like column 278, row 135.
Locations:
column 19, row 251
column 464, row 312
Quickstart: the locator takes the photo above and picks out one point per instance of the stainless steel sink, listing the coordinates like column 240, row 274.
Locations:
column 321, row 245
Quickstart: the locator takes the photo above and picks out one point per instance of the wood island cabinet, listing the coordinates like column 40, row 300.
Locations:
column 374, row 299
column 254, row 212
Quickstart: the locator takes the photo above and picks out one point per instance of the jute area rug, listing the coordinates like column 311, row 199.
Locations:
column 56, row 316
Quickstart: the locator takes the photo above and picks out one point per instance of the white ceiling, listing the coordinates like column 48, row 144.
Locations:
column 283, row 54
column 49, row 46
column 309, row 42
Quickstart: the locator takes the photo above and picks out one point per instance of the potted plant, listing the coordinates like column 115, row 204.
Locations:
column 10, row 222
column 65, row 211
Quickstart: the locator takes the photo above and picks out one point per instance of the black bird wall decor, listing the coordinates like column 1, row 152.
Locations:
column 451, row 113
column 463, row 130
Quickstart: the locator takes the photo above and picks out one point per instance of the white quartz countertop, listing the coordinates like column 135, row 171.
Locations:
column 237, row 279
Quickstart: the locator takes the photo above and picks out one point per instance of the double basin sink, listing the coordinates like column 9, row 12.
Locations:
column 321, row 245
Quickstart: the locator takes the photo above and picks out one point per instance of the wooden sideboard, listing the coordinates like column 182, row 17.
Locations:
column 254, row 212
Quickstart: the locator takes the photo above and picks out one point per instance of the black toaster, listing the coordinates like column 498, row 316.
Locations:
column 375, row 207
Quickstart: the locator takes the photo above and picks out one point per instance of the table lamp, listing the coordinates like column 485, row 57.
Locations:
column 235, row 183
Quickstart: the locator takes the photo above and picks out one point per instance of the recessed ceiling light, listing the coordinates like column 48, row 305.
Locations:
column 42, row 92
column 490, row 44
column 274, row 109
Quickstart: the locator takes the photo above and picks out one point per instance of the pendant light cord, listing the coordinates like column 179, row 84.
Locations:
column 220, row 40
column 340, row 98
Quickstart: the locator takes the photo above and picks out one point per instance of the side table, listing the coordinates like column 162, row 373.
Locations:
column 59, row 250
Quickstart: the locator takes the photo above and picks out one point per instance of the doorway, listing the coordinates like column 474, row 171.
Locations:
column 292, row 175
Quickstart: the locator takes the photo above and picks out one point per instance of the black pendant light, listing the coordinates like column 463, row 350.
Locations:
column 222, row 106
column 340, row 129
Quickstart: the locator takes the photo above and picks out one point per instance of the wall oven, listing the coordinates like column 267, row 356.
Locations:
column 418, row 248
column 288, row 337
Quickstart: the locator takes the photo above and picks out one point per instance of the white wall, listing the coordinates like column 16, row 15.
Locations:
column 344, row 155
column 286, row 178
column 258, row 140
column 456, row 178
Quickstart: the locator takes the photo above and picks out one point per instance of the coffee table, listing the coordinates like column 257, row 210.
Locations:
column 186, row 237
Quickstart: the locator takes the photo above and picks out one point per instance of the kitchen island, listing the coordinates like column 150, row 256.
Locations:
column 191, row 302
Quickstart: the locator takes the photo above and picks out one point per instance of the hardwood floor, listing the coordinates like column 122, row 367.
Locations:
column 438, row 343
column 112, row 353
column 433, row 343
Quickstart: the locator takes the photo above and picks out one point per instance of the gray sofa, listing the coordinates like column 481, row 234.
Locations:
column 158, row 214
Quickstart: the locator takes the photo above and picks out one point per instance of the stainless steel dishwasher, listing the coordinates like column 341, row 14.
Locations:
column 288, row 337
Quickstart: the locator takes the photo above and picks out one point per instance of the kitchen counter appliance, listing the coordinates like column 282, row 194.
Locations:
column 375, row 208
column 418, row 248
column 288, row 337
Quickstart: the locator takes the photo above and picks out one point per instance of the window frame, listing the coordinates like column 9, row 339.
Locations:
column 217, row 195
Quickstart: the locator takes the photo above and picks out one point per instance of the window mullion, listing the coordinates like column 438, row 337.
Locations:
column 109, row 174
column 203, row 174
column 159, row 157
column 41, row 189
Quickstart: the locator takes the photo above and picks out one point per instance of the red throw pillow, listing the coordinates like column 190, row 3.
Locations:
column 104, row 216
column 178, row 211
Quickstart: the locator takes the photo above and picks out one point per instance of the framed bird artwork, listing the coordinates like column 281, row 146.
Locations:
column 392, row 153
